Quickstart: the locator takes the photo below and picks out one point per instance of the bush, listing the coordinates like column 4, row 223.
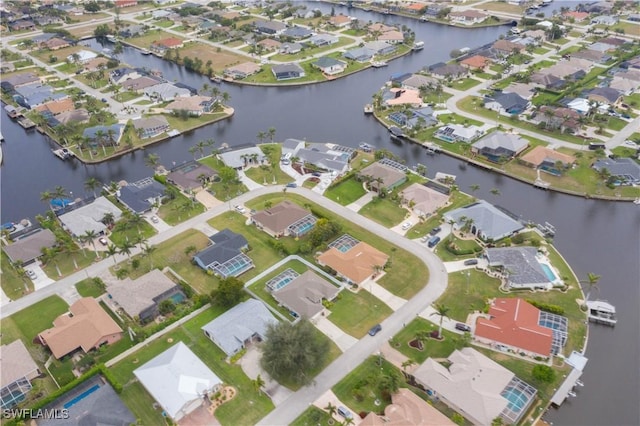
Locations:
column 543, row 373
column 166, row 306
column 547, row 307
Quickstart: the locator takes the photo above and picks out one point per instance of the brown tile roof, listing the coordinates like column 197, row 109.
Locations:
column 389, row 175
column 514, row 322
column 540, row 153
column 407, row 409
column 77, row 116
column 380, row 27
column 279, row 217
column 392, row 35
column 57, row 107
column 357, row 264
column 189, row 103
column 56, row 43
column 578, row 16
column 169, row 42
column 88, row 326
column 426, row 199
column 95, row 63
column 339, row 19
column 507, row 46
column 476, row 61
column 16, row 363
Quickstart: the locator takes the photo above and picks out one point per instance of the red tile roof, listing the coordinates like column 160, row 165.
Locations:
column 476, row 61
column 514, row 322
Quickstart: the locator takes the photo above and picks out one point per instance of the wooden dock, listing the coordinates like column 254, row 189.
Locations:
column 26, row 123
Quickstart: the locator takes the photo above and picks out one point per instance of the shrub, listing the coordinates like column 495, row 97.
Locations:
column 543, row 373
column 547, row 307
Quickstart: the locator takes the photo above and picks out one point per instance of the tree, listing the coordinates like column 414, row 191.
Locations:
column 152, row 161
column 290, row 351
column 258, row 383
column 229, row 292
column 166, row 306
column 408, row 363
column 331, row 409
column 261, row 136
column 111, row 252
column 441, row 311
column 125, row 248
column 92, row 184
column 108, row 219
column 271, row 132
column 592, row 282
column 390, row 382
column 543, row 373
column 91, row 236
column 147, row 251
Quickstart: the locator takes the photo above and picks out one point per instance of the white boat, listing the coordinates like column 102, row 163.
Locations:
column 379, row 64
column 418, row 45
column 111, row 38
column 602, row 312
column 636, row 201
column 145, row 52
column 63, row 153
column 1, row 137
column 368, row 109
column 365, row 147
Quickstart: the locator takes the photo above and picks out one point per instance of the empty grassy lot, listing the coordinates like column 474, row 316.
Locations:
column 370, row 311
column 220, row 59
column 346, row 192
column 384, row 211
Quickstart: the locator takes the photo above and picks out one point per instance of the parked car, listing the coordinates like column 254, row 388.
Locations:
column 240, row 209
column 375, row 329
column 292, row 185
column 316, row 174
column 155, row 219
column 103, row 241
column 435, row 230
column 104, row 100
column 433, row 242
column 462, row 327
column 32, row 275
column 470, row 262
column 344, row 412
column 406, row 226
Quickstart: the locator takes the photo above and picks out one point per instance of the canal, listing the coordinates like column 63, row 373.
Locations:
column 594, row 236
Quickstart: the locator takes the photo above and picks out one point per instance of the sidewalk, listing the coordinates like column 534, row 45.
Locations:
column 360, row 202
column 250, row 184
column 391, row 300
column 333, row 332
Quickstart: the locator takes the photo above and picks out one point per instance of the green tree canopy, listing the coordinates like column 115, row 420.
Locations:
column 290, row 351
column 230, row 291
column 543, row 373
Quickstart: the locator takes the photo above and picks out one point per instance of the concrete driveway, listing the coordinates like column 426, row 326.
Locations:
column 41, row 280
column 330, row 397
column 360, row 202
column 391, row 300
column 250, row 364
column 335, row 333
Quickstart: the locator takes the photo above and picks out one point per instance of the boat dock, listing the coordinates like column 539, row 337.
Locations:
column 368, row 109
column 378, row 64
column 578, row 362
column 173, row 133
column 63, row 153
column 26, row 123
column 602, row 312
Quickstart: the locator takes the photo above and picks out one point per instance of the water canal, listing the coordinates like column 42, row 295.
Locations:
column 594, row 236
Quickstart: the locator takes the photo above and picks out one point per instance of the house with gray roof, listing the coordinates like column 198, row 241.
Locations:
column 89, row 217
column 110, row 134
column 292, row 146
column 242, row 157
column 284, row 219
column 443, row 70
column 297, row 32
column 140, row 298
column 191, row 175
column 18, row 80
column 305, row 293
column 507, row 103
column 288, row 71
column 626, row 170
column 485, row 220
column 269, row 27
column 521, row 266
column 329, row 66
column 605, row 20
column 141, row 196
column 322, row 40
column 166, row 92
column 290, row 48
column 226, row 256
column 380, row 47
column 18, row 369
column 150, row 126
column 322, row 157
column 36, row 94
column 27, row 249
column 244, row 323
column 604, row 95
column 359, row 54
column 497, row 145
column 383, row 176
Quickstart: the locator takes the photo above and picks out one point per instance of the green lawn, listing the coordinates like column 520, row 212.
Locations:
column 179, row 209
column 14, row 285
column 431, row 347
column 246, row 408
column 164, row 23
column 384, row 211
column 370, row 311
column 32, row 320
column 346, row 191
column 64, row 262
column 623, row 151
column 172, row 253
column 465, row 84
column 467, row 294
column 265, row 174
column 90, row 288
column 306, row 53
column 406, row 274
column 313, row 416
column 462, row 246
column 231, row 191
column 124, row 231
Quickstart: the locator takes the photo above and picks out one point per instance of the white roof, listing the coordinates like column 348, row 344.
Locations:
column 234, row 158
column 176, row 378
column 577, row 360
column 579, row 104
column 167, row 91
column 87, row 218
column 83, row 55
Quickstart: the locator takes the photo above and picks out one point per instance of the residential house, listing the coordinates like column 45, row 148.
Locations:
column 424, row 201
column 28, row 249
column 18, row 370
column 161, row 46
column 86, row 326
column 416, row 81
column 477, row 386
column 625, row 170
column 524, row 90
column 384, row 175
column 484, row 220
column 297, row 33
column 288, row 71
column 514, row 324
column 415, row 8
column 269, row 27
column 467, row 17
column 407, row 409
column 178, row 380
column 476, row 62
column 243, row 70
column 379, row 27
column 605, row 95
column 269, row 44
column 359, row 54
column 96, row 64
column 575, row 15
column 340, row 21
column 497, row 145
column 163, row 92
column 566, row 71
column 305, row 293
column 120, row 75
column 125, row 3
column 56, row 107
column 33, row 95
column 140, row 196
column 190, row 176
column 322, row 158
column 607, row 20
column 580, row 105
column 547, row 81
column 89, row 217
column 22, row 25
column 592, row 55
column 82, row 56
column 392, row 37
column 292, row 146
column 242, row 156
column 138, row 85
column 613, row 41
column 522, row 268
column 290, row 48
column 194, row 105
column 132, row 31
column 398, row 96
column 110, row 134
column 623, row 85
column 241, row 325
column 380, row 47
column 140, row 298
column 563, row 119
column 634, row 17
column 506, row 103
column 7, row 67
column 506, row 47
column 226, row 256
column 78, row 116
column 319, row 40
column 453, row 71
column 355, row 263
column 160, row 14
column 329, row 66
column 55, row 43
column 458, row 133
column 284, row 219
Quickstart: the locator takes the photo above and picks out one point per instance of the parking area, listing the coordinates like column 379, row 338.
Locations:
column 41, row 280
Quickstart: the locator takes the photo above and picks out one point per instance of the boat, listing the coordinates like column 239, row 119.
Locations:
column 602, row 312
column 15, row 229
column 396, row 132
column 216, row 79
column 11, row 111
column 636, row 201
column 365, row 147
column 145, row 52
column 379, row 64
column 111, row 38
column 368, row 109
column 63, row 153
column 418, row 45
column 546, row 3
column 1, row 137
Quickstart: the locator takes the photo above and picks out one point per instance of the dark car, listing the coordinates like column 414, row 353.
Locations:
column 435, row 230
column 375, row 329
column 104, row 100
column 469, row 262
column 316, row 174
column 462, row 327
column 292, row 185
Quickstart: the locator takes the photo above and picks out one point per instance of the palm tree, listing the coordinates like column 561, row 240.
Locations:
column 91, row 236
column 200, row 147
column 136, row 219
column 272, row 133
column 495, row 191
column 92, row 184
column 331, row 409
column 261, row 135
column 125, row 248
column 441, row 311
column 421, row 169
column 152, row 161
column 592, row 282
column 408, row 363
column 390, row 382
column 108, row 219
column 193, row 150
column 59, row 193
column 148, row 250
column 111, row 252
column 474, row 187
column 46, row 196
column 258, row 383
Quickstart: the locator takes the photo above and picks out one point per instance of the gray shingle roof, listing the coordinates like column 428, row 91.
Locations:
column 230, row 330
column 490, row 222
column 500, row 140
column 88, row 218
column 520, row 262
column 623, row 167
column 226, row 245
column 136, row 296
column 137, row 195
column 30, row 247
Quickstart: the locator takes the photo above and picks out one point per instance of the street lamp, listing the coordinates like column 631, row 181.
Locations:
column 468, row 276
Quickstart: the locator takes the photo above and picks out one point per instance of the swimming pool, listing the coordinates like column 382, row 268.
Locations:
column 517, row 399
column 177, row 298
column 548, row 272
column 82, row 396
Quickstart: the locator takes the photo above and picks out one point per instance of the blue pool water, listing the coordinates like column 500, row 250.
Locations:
column 517, row 399
column 548, row 272
column 177, row 298
column 304, row 228
column 82, row 396
column 283, row 283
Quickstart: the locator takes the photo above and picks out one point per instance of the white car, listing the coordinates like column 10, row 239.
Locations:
column 240, row 209
column 406, row 226
column 155, row 219
column 32, row 275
